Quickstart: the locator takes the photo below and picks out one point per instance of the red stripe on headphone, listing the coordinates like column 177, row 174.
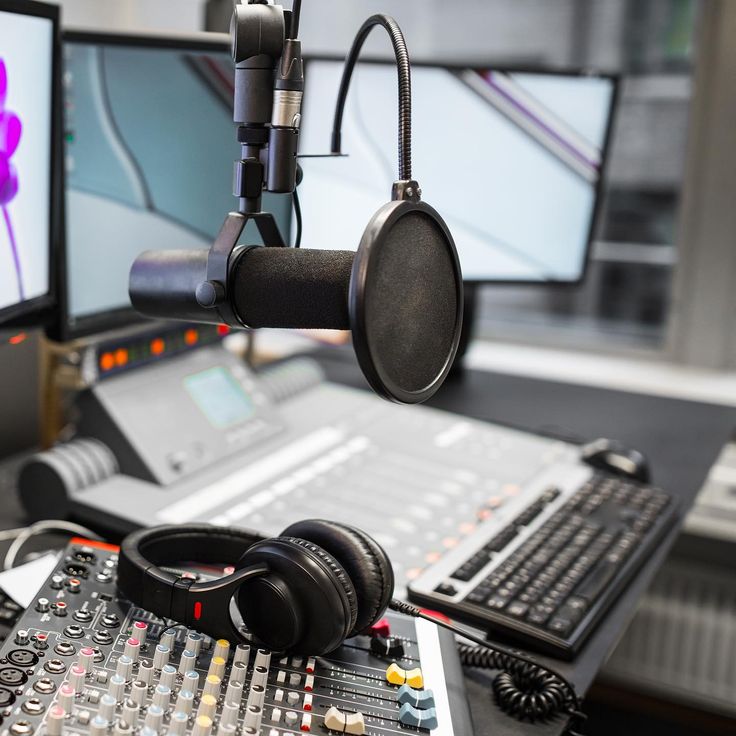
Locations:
column 197, row 610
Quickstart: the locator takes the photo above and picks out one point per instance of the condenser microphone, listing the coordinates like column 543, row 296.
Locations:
column 400, row 295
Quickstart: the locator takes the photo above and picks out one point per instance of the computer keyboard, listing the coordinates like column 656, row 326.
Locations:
column 545, row 576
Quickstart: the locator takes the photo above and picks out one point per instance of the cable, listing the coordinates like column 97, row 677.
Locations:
column 403, row 69
column 40, row 527
column 297, row 217
column 296, row 10
column 524, row 688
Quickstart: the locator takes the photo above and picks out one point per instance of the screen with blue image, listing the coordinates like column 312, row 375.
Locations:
column 511, row 160
column 149, row 160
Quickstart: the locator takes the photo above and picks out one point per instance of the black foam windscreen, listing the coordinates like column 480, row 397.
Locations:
column 292, row 287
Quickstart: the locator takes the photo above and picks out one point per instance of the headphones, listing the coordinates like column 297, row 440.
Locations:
column 305, row 591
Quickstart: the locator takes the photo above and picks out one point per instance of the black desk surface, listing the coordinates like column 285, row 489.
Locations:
column 681, row 439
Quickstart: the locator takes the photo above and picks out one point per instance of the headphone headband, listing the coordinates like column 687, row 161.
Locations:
column 166, row 594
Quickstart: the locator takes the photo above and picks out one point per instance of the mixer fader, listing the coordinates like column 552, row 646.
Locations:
column 83, row 661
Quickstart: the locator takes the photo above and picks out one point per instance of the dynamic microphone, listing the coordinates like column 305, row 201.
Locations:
column 400, row 294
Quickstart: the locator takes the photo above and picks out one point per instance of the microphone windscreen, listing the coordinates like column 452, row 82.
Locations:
column 292, row 287
column 406, row 302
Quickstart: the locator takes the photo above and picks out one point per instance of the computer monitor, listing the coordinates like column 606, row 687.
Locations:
column 512, row 160
column 150, row 146
column 30, row 197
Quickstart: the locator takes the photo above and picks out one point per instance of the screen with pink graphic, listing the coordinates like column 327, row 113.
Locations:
column 26, row 77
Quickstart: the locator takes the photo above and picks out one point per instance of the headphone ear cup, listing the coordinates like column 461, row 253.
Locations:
column 364, row 560
column 306, row 604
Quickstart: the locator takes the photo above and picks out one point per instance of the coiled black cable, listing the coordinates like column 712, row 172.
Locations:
column 403, row 69
column 523, row 688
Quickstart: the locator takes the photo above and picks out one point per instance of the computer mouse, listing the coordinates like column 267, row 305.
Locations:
column 615, row 458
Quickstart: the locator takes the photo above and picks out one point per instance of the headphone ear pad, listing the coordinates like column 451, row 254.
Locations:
column 306, row 603
column 364, row 560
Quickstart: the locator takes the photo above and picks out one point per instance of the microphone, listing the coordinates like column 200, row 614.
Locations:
column 401, row 295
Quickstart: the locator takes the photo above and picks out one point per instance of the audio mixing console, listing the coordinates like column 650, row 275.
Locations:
column 84, row 662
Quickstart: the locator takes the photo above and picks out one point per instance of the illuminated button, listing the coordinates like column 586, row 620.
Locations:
column 107, row 361
column 411, row 716
column 121, row 357
column 352, row 723
column 417, row 698
column 307, row 704
column 191, row 337
column 396, row 675
column 307, row 722
column 157, row 348
column 223, row 330
column 309, row 683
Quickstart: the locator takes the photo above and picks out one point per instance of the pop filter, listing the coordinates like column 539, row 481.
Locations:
column 406, row 301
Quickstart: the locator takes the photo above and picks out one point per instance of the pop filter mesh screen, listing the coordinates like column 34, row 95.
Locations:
column 411, row 302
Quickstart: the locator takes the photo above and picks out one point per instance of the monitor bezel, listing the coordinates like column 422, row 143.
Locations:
column 65, row 329
column 476, row 63
column 42, row 310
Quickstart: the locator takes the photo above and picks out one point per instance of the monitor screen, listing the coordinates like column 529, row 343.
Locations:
column 150, row 145
column 511, row 160
column 27, row 73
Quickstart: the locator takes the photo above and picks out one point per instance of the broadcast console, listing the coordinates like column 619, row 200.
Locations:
column 472, row 514
column 84, row 661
